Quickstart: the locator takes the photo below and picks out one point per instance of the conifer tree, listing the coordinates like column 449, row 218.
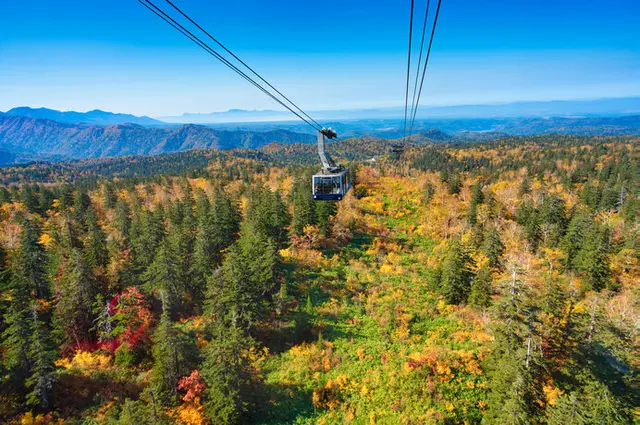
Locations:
column 15, row 338
column 481, row 291
column 592, row 260
column 95, row 243
column 173, row 357
column 511, row 399
column 216, row 230
column 28, row 353
column 492, row 247
column 580, row 224
column 477, row 198
column 324, row 213
column 552, row 216
column 303, row 207
column 456, row 275
column 147, row 230
column 514, row 365
column 32, row 261
column 163, row 275
column 78, row 291
column 109, row 195
column 591, row 404
column 226, row 372
column 528, row 217
column 42, row 355
column 123, row 219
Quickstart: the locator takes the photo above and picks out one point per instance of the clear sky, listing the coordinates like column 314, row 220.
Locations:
column 332, row 54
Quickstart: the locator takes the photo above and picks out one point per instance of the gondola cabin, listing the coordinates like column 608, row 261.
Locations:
column 331, row 186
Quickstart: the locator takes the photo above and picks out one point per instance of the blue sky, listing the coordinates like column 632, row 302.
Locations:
column 334, row 54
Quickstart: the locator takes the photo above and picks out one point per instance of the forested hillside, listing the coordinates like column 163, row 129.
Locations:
column 45, row 138
column 492, row 283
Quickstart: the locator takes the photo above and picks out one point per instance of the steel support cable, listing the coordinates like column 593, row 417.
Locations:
column 415, row 84
column 168, row 19
column 406, row 96
column 426, row 62
column 242, row 62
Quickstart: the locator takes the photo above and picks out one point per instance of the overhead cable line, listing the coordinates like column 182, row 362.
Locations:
column 241, row 61
column 415, row 84
column 426, row 62
column 406, row 96
column 184, row 31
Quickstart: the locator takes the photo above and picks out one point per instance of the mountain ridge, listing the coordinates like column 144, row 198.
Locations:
column 95, row 116
column 35, row 136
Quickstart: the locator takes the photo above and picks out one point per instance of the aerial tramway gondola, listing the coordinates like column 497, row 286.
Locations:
column 331, row 183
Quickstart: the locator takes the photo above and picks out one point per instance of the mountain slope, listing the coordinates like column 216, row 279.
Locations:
column 20, row 135
column 96, row 116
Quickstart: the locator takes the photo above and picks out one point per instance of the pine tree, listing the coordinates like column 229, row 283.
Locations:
column 163, row 276
column 481, row 290
column 528, row 217
column 42, row 354
column 147, row 230
column 28, row 353
column 454, row 184
column 591, row 404
column 16, row 335
column 477, row 198
column 592, row 260
column 514, row 364
column 241, row 292
column 325, row 211
column 123, row 219
column 95, row 243
column 456, row 276
column 76, row 299
column 174, row 356
column 226, row 372
column 552, row 216
column 492, row 247
column 81, row 204
column 280, row 221
column 216, row 230
column 511, row 400
column 109, row 195
column 226, row 218
column 32, row 261
column 304, row 208
column 580, row 224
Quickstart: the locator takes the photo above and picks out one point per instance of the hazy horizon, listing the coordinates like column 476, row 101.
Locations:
column 444, row 111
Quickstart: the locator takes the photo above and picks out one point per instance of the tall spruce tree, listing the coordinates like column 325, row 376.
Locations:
column 123, row 219
column 95, row 243
column 78, row 291
column 455, row 274
column 492, row 247
column 481, row 291
column 592, row 260
column 42, row 355
column 580, row 225
column 32, row 262
column 304, row 208
column 174, row 356
column 163, row 276
column 226, row 371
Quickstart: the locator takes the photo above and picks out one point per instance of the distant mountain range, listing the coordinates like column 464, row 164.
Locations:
column 96, row 116
column 26, row 137
column 28, row 134
column 559, row 108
